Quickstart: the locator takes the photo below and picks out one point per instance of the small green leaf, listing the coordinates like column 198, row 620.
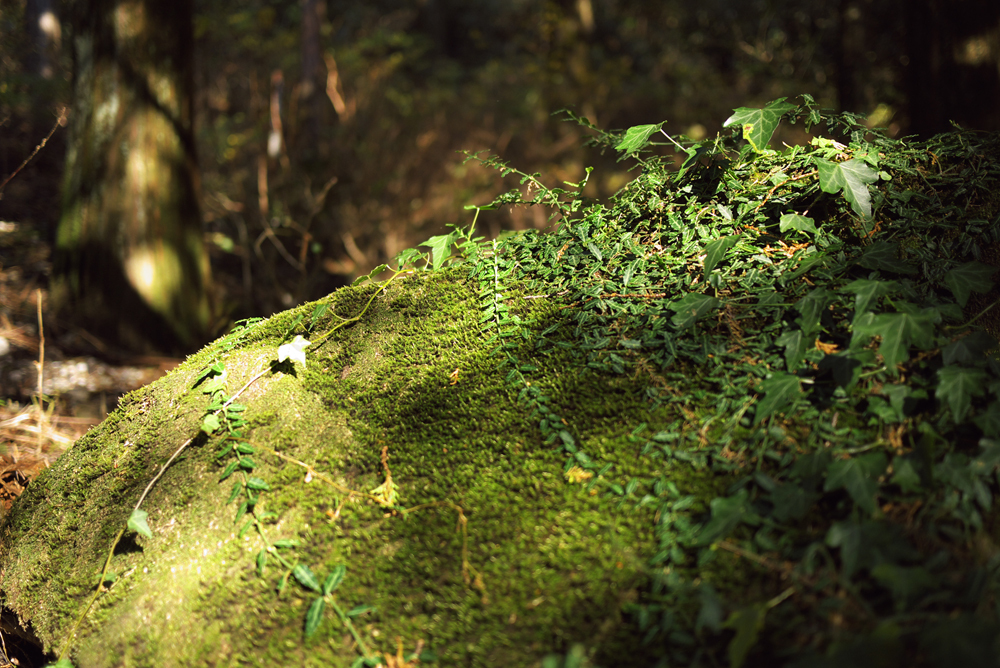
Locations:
column 359, row 610
column 904, row 474
column 237, row 488
column 257, row 484
column 296, row 350
column 967, row 278
column 318, row 312
column 637, row 137
column 229, row 470
column 957, row 385
column 314, row 615
column 334, row 579
column 137, row 523
column 716, row 250
column 780, row 391
column 759, row 124
column 794, row 221
column 306, row 578
column 286, row 542
column 261, row 561
column 852, row 177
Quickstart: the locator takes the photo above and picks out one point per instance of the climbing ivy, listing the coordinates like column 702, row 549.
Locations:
column 816, row 314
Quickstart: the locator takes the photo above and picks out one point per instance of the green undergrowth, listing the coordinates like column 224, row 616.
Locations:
column 746, row 412
column 824, row 318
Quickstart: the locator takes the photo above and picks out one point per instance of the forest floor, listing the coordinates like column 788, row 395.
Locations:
column 81, row 379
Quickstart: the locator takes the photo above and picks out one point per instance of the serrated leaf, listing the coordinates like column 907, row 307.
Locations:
column 716, row 250
column 306, row 578
column 795, row 221
column 334, row 579
column 314, row 616
column 957, row 385
column 294, row 350
column 859, row 476
column 137, row 523
column 882, row 255
column 850, row 177
column 637, row 137
column 691, row 308
column 258, row 484
column 867, row 292
column 967, row 278
column 780, row 391
column 759, row 124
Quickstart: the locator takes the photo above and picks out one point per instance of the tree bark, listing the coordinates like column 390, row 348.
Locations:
column 130, row 264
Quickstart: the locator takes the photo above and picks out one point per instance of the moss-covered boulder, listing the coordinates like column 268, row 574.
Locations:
column 749, row 410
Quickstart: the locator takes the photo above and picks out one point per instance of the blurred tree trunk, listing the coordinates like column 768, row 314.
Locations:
column 41, row 23
column 130, row 265
column 953, row 49
column 310, row 91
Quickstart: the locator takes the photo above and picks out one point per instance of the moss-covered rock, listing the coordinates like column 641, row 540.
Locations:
column 551, row 559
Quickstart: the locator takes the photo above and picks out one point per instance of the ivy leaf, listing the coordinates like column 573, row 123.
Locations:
column 989, row 420
column 410, row 253
column 967, row 278
column 210, row 423
column 904, row 474
column 968, row 350
column 747, row 622
column 811, row 309
column 440, row 246
column 137, row 523
column 859, row 476
column 905, row 582
column 306, row 578
column 296, row 350
column 759, row 124
column 852, row 177
column 867, row 291
column 780, row 390
column 898, row 331
column 882, row 255
column 798, row 222
column 716, row 250
column 691, row 308
column 314, row 616
column 957, row 385
column 727, row 513
column 637, row 137
column 796, row 345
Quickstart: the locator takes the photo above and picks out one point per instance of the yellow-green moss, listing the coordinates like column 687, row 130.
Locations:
column 556, row 560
